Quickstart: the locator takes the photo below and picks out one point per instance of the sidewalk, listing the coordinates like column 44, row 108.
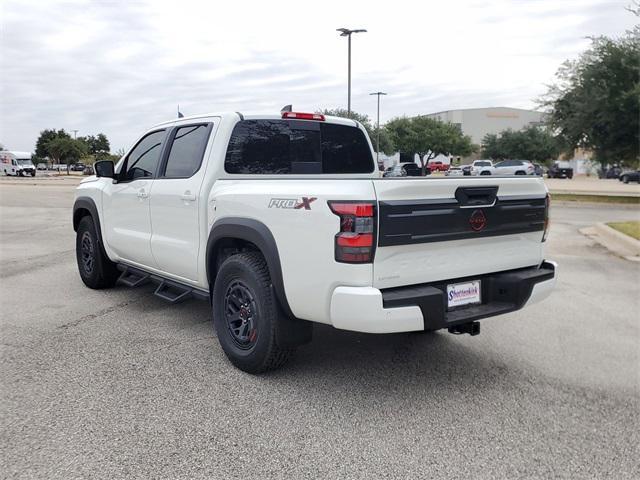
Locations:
column 44, row 179
column 582, row 185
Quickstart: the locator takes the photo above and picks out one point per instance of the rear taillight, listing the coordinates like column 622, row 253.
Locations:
column 303, row 116
column 355, row 242
column 547, row 204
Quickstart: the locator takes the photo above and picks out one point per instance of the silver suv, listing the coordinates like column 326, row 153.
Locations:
column 514, row 167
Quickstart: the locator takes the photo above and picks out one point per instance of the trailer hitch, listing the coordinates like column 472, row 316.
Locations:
column 472, row 328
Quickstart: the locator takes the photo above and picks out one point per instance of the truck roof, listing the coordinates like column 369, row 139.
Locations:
column 258, row 116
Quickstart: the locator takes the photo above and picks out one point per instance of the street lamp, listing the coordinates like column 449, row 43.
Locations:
column 378, row 122
column 345, row 32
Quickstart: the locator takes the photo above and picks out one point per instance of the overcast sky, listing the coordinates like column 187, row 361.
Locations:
column 120, row 67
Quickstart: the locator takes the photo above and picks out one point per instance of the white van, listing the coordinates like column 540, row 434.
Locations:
column 16, row 163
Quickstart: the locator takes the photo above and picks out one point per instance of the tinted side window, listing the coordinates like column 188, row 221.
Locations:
column 187, row 149
column 345, row 150
column 143, row 159
column 273, row 147
column 296, row 147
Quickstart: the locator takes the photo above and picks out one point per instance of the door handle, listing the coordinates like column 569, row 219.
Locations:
column 188, row 196
column 142, row 194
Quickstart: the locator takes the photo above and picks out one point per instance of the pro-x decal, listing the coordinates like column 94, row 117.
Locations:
column 296, row 203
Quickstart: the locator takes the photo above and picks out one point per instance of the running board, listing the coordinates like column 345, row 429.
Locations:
column 168, row 290
column 133, row 279
column 171, row 292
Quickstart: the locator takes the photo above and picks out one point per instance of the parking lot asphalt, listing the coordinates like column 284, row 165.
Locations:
column 117, row 383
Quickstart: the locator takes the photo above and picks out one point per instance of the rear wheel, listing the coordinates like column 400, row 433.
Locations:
column 485, row 172
column 96, row 270
column 246, row 315
column 520, row 172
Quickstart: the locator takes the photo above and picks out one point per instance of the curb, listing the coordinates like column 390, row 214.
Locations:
column 614, row 241
column 594, row 193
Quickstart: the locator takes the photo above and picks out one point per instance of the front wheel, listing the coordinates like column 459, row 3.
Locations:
column 96, row 270
column 246, row 315
column 33, row 173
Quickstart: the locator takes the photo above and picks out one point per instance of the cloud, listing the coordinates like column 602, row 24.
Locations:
column 119, row 67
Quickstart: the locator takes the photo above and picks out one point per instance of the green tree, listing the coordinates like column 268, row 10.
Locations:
column 65, row 150
column 428, row 138
column 531, row 143
column 96, row 145
column 595, row 103
column 45, row 137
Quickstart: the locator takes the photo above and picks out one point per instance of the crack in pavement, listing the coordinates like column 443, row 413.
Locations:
column 91, row 316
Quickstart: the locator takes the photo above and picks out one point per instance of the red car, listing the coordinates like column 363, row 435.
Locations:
column 438, row 166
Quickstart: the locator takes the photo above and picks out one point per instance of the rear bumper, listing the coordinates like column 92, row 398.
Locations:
column 424, row 307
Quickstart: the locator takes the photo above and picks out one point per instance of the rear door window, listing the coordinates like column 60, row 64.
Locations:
column 187, row 149
column 284, row 147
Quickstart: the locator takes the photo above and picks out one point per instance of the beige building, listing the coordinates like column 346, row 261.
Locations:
column 477, row 122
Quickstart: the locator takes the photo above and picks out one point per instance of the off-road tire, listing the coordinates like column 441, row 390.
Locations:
column 248, row 271
column 96, row 270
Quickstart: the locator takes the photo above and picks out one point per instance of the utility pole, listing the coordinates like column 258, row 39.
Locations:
column 345, row 32
column 75, row 132
column 378, row 125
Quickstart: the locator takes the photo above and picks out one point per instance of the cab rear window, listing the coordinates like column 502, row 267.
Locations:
column 285, row 147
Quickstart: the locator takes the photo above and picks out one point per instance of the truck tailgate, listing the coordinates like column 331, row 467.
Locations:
column 449, row 228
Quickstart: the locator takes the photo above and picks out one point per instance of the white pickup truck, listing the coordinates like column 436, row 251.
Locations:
column 282, row 220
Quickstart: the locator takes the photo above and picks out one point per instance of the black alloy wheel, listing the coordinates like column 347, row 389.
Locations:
column 87, row 253
column 241, row 314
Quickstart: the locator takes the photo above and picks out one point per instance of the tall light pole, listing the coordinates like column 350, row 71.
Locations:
column 378, row 127
column 75, row 132
column 345, row 32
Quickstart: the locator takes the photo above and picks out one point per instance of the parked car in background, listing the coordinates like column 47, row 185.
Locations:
column 466, row 170
column 514, row 167
column 41, row 166
column 482, row 167
column 88, row 170
column 78, row 167
column 412, row 169
column 631, row 176
column 539, row 171
column 454, row 172
column 437, row 166
column 395, row 171
column 560, row 169
column 405, row 169
column 612, row 172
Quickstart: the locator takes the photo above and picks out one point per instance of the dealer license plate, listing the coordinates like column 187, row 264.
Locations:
column 466, row 293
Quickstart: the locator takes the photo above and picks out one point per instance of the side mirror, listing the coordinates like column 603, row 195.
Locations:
column 104, row 168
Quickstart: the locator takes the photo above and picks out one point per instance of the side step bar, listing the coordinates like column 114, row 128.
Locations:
column 168, row 290
column 133, row 279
